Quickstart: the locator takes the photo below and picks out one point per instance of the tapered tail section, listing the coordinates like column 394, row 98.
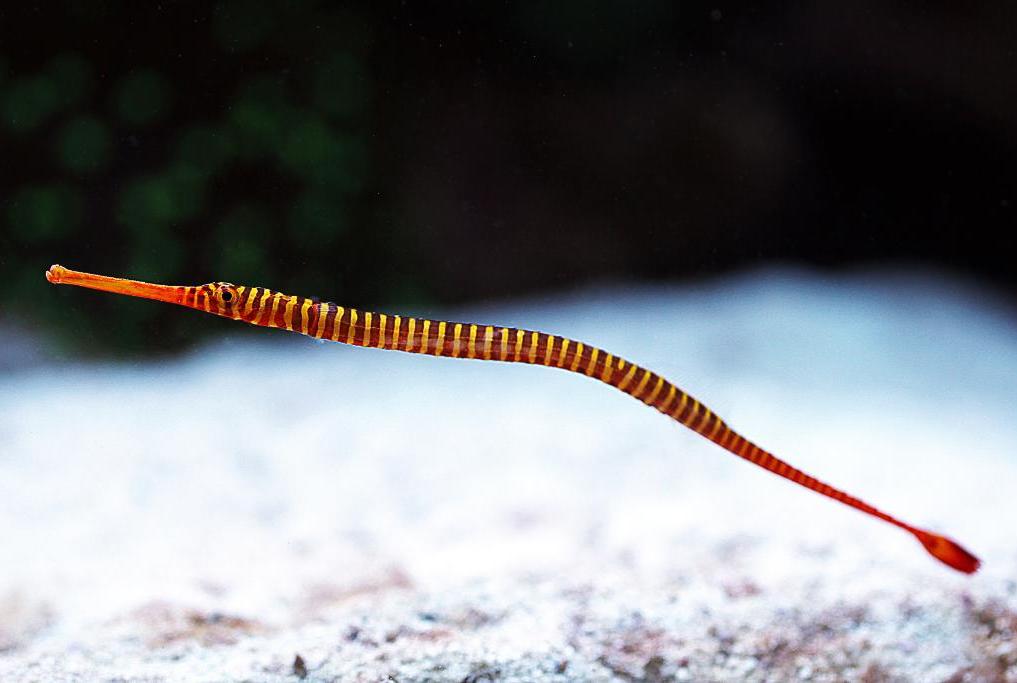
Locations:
column 678, row 405
column 948, row 552
column 943, row 549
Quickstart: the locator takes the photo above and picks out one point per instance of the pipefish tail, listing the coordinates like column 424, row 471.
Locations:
column 323, row 320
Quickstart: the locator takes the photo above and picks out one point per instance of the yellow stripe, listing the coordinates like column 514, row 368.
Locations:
column 381, row 330
column 208, row 302
column 236, row 309
column 716, row 428
column 671, row 392
column 304, row 308
column 681, row 406
column 409, row 334
column 706, row 417
column 323, row 309
column 440, row 345
column 642, row 383
column 519, row 343
column 621, row 364
column 656, row 390
column 504, row 342
column 693, row 414
column 628, row 377
column 593, row 362
column 606, row 375
column 367, row 329
column 456, row 332
column 423, row 337
column 340, row 312
column 288, row 313
column 353, row 323
column 533, row 347
column 578, row 357
column 488, row 340
column 473, row 341
column 563, row 351
column 395, row 332
column 275, row 306
column 263, row 305
column 249, row 306
column 724, row 439
column 549, row 350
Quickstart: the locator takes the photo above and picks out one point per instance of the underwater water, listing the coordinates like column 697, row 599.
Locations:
column 213, row 516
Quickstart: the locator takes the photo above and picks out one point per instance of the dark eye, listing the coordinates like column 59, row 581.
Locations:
column 227, row 296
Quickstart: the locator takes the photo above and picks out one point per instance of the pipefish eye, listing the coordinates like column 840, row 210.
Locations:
column 227, row 293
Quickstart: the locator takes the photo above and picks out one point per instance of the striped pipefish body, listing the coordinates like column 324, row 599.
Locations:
column 324, row 320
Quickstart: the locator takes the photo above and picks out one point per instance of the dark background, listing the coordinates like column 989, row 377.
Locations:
column 411, row 154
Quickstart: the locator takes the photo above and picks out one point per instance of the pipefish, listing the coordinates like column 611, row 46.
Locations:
column 324, row 320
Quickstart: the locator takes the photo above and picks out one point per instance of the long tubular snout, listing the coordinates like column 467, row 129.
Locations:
column 59, row 275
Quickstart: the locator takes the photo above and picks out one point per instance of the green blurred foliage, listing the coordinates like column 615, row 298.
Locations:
column 83, row 144
column 243, row 244
column 260, row 116
column 142, row 98
column 72, row 77
column 318, row 219
column 29, row 101
column 206, row 148
column 253, row 172
column 150, row 204
column 44, row 213
column 157, row 256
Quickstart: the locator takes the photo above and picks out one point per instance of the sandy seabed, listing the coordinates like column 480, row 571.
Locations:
column 269, row 508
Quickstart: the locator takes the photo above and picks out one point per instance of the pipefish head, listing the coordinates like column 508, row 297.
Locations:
column 220, row 298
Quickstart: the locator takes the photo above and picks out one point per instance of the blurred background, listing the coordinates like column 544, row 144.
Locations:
column 802, row 213
column 414, row 154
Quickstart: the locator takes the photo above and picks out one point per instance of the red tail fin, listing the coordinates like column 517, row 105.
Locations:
column 948, row 552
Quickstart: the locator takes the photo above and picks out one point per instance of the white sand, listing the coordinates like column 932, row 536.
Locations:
column 388, row 515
